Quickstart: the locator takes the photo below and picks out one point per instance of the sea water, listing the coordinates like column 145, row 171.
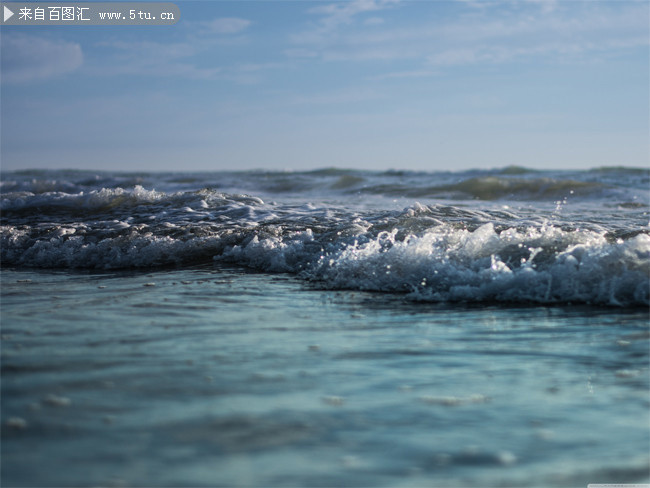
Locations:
column 325, row 328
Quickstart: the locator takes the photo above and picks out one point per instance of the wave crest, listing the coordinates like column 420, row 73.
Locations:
column 434, row 253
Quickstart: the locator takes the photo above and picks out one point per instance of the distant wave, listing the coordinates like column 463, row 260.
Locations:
column 497, row 188
column 515, row 183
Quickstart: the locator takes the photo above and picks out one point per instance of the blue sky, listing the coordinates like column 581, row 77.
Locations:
column 369, row 84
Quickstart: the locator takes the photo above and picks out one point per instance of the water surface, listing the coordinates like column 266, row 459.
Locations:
column 329, row 328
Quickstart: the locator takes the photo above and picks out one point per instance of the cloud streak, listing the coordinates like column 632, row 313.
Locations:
column 337, row 15
column 179, row 59
column 227, row 25
column 28, row 58
column 515, row 32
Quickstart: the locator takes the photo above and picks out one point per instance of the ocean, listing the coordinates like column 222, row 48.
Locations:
column 325, row 328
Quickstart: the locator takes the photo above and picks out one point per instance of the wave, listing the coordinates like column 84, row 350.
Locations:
column 497, row 188
column 427, row 252
column 622, row 169
column 514, row 183
column 545, row 265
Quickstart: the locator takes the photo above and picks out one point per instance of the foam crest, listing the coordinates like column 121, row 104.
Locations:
column 545, row 265
column 104, row 198
column 533, row 265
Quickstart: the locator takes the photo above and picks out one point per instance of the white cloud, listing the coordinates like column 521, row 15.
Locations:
column 149, row 58
column 545, row 6
column 500, row 32
column 336, row 15
column 29, row 58
column 166, row 70
column 343, row 12
column 301, row 53
column 182, row 58
column 152, row 49
column 226, row 25
column 559, row 36
column 417, row 73
column 347, row 96
column 373, row 21
column 169, row 60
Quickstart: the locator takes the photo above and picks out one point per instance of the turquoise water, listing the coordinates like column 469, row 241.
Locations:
column 215, row 376
column 326, row 328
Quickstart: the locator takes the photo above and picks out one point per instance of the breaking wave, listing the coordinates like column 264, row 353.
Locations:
column 427, row 252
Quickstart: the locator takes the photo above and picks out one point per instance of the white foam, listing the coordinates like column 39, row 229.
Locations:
column 541, row 265
column 105, row 197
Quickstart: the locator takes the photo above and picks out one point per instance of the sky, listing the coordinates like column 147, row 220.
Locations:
column 367, row 84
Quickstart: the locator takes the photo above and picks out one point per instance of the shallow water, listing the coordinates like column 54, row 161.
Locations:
column 214, row 376
column 329, row 328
